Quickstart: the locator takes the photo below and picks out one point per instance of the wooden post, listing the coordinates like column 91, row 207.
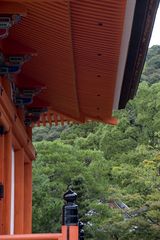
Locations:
column 70, row 233
column 7, row 183
column 73, row 233
column 28, row 197
column 1, row 177
column 64, row 232
column 19, row 192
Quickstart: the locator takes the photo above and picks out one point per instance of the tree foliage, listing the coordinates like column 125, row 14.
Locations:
column 108, row 166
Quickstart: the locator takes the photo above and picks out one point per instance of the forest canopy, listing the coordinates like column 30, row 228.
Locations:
column 115, row 170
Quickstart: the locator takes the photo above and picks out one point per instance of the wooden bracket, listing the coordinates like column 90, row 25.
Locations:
column 10, row 14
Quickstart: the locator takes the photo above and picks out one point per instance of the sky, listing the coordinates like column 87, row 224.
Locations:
column 155, row 39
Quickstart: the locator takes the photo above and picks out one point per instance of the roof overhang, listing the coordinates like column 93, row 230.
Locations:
column 90, row 54
column 142, row 26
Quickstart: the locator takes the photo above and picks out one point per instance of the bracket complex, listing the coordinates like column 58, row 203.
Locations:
column 10, row 14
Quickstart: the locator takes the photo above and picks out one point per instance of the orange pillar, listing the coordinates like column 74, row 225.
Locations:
column 1, row 176
column 19, row 192
column 7, row 182
column 28, row 197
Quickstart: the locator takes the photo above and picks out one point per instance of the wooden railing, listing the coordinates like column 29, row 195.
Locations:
column 47, row 236
column 71, row 226
column 68, row 233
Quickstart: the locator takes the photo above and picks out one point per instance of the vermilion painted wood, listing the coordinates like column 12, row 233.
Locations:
column 19, row 192
column 6, row 86
column 15, row 48
column 64, row 232
column 7, row 182
column 3, row 121
column 25, row 141
column 9, row 117
column 73, row 233
column 1, row 177
column 45, row 236
column 12, row 8
column 78, row 45
column 29, row 132
column 6, row 103
column 28, row 198
column 15, row 142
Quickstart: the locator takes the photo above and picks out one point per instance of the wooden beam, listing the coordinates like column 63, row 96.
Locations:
column 143, row 22
column 4, row 122
column 29, row 132
column 7, row 183
column 55, row 115
column 7, row 104
column 28, row 198
column 12, row 8
column 21, row 135
column 16, row 143
column 1, row 177
column 12, row 47
column 42, row 236
column 19, row 192
column 9, row 116
column 24, row 1
column 49, row 118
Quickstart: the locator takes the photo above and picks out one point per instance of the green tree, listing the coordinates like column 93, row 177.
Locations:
column 105, row 164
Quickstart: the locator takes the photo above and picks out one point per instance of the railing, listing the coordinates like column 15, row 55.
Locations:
column 68, row 233
column 47, row 236
column 71, row 228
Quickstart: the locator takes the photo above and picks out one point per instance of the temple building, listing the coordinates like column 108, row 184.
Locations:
column 61, row 61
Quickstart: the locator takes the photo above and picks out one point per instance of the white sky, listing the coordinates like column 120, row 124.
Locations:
column 155, row 39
